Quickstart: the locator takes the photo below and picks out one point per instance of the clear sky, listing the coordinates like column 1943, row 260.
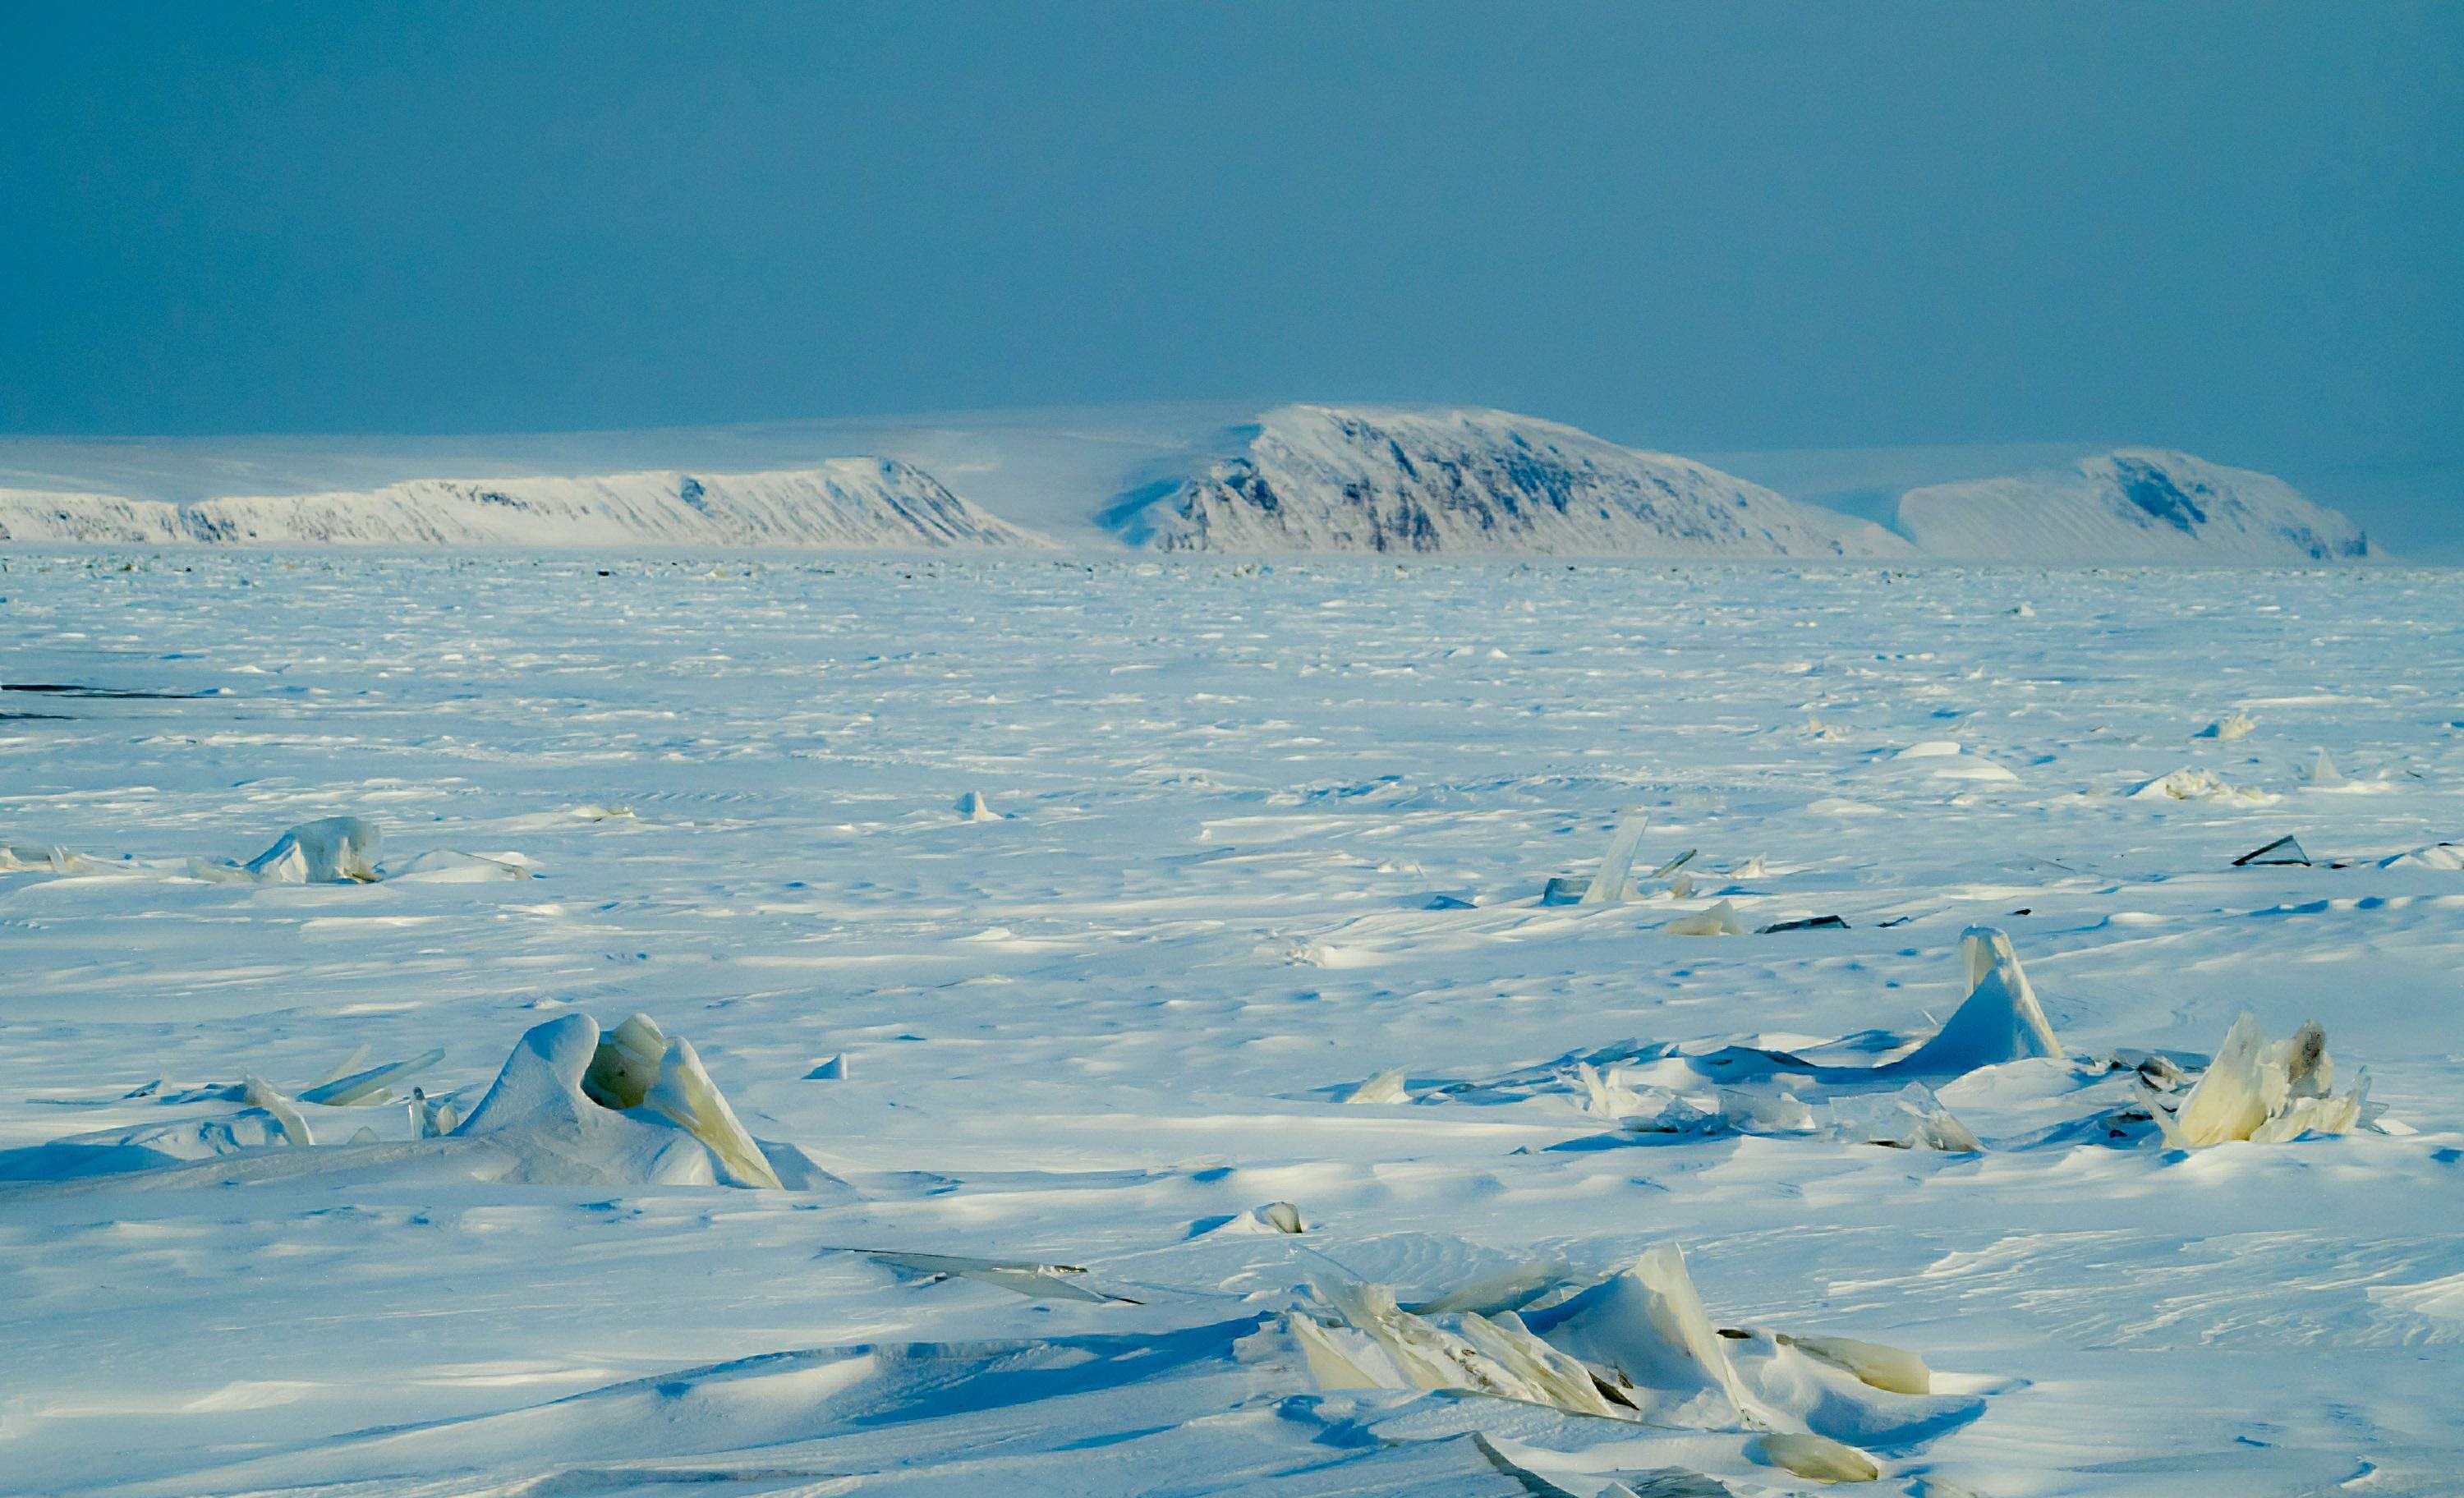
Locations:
column 2229, row 228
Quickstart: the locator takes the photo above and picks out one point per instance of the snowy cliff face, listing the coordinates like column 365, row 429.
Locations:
column 1360, row 479
column 847, row 502
column 2137, row 504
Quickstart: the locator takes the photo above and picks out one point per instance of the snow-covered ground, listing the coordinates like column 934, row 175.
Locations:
column 1250, row 841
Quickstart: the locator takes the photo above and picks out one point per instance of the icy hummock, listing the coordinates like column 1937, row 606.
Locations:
column 1452, row 481
column 2131, row 505
column 843, row 503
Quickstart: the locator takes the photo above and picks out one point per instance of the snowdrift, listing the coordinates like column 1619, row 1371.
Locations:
column 2133, row 505
column 1377, row 480
column 844, row 502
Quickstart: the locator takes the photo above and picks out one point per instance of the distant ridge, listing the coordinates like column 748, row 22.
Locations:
column 2134, row 504
column 843, row 503
column 1318, row 478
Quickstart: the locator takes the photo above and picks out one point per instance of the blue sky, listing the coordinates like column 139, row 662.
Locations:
column 2232, row 229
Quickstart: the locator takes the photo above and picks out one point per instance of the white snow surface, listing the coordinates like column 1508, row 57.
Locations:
column 1031, row 1083
column 1331, row 478
column 2133, row 505
column 844, row 502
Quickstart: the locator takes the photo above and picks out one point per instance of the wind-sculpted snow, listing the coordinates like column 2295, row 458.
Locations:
column 2136, row 505
column 848, row 502
column 1369, row 479
column 1133, row 977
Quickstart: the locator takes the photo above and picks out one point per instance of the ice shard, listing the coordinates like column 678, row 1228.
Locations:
column 1647, row 1326
column 1386, row 1087
column 1608, row 885
column 1720, row 920
column 369, row 1086
column 2283, row 850
column 1817, row 1457
column 2263, row 1093
column 1895, row 1369
column 686, row 1097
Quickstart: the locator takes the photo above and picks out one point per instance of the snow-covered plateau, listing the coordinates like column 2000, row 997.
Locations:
column 2136, row 505
column 843, row 503
column 1318, row 478
column 1008, row 1022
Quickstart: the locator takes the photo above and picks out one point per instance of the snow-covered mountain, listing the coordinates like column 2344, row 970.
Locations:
column 1376, row 479
column 2136, row 504
column 844, row 502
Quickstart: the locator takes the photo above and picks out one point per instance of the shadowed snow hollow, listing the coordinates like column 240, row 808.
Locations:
column 849, row 502
column 1369, row 479
column 2137, row 504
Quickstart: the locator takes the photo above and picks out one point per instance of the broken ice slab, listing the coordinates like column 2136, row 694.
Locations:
column 1810, row 923
column 1456, row 902
column 2264, row 1094
column 1720, row 920
column 18, row 857
column 1912, row 1118
column 1280, row 1215
column 1034, row 1281
column 2232, row 726
column 1608, row 885
column 833, row 1068
column 2283, row 850
column 258, row 1093
column 1894, row 1370
column 1674, row 864
column 975, row 807
column 2322, row 771
column 1564, row 889
column 1386, row 1087
column 369, row 1086
column 1816, row 1457
column 686, row 1097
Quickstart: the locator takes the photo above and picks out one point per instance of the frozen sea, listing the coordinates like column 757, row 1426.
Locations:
column 1256, row 836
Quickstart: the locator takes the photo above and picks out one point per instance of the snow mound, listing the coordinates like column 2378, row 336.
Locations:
column 1999, row 1020
column 329, row 850
column 844, row 502
column 2132, row 505
column 2189, row 783
column 1377, row 480
column 2445, row 856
